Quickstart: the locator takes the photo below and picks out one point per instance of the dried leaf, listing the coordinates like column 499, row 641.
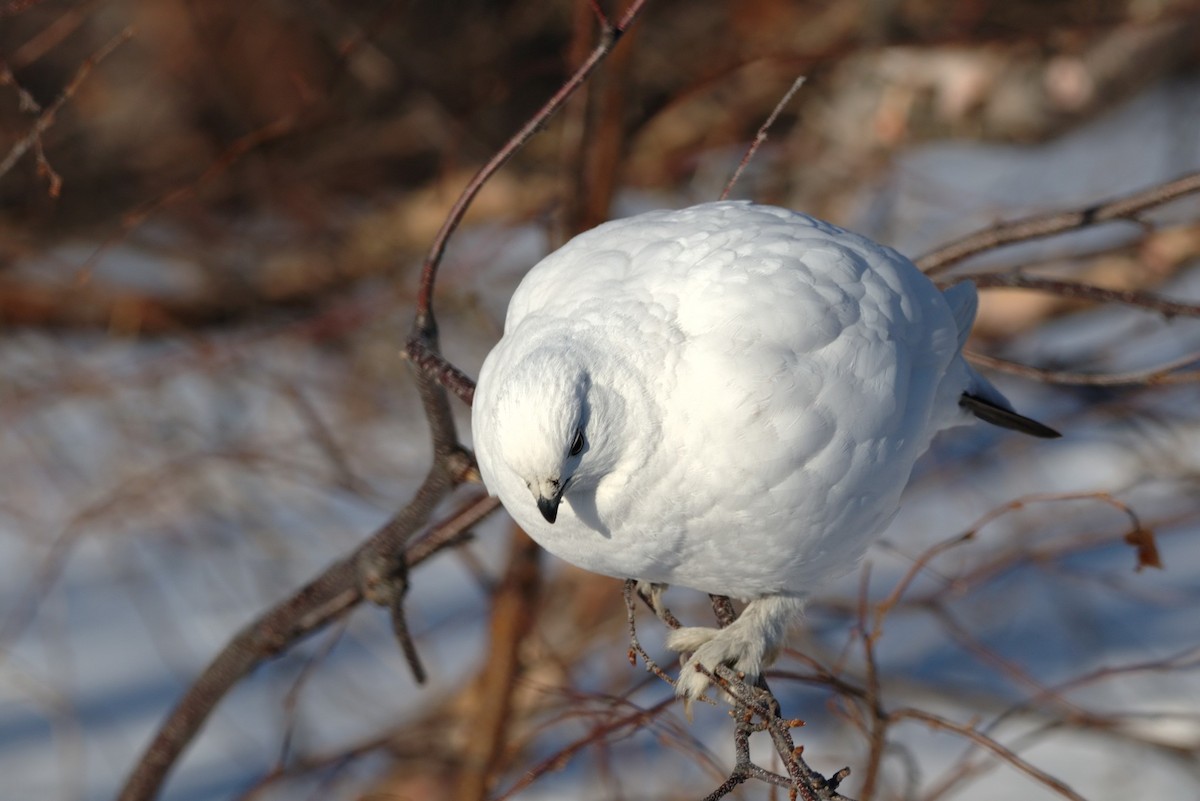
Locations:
column 1147, row 549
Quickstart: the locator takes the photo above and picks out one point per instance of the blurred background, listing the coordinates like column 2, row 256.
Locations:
column 211, row 215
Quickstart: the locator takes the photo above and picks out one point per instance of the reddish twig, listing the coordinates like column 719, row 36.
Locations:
column 425, row 358
column 921, row 563
column 635, row 646
column 430, row 362
column 877, row 726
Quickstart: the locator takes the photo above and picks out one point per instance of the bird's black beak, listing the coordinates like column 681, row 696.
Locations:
column 549, row 506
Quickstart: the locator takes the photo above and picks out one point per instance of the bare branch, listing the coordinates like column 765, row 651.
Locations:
column 1127, row 207
column 632, row 722
column 33, row 138
column 970, row 733
column 755, row 710
column 325, row 599
column 761, row 136
column 1161, row 374
column 1074, row 289
column 922, row 562
column 610, row 34
column 434, row 365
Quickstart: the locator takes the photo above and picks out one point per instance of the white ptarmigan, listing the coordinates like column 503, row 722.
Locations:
column 729, row 397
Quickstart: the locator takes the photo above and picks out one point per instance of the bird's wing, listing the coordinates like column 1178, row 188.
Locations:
column 964, row 304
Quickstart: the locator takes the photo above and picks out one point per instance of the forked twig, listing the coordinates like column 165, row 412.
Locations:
column 755, row 710
column 33, row 137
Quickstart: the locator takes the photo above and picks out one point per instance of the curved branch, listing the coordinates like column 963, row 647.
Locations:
column 1127, row 207
column 610, row 34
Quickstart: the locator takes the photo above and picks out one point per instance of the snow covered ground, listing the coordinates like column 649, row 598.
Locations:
column 154, row 497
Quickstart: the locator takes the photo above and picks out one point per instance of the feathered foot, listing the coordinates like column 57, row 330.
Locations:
column 748, row 645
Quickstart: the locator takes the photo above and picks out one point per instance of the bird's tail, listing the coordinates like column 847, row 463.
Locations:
column 1004, row 416
column 981, row 398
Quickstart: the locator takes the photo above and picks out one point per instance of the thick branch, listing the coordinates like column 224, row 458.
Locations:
column 514, row 610
column 323, row 600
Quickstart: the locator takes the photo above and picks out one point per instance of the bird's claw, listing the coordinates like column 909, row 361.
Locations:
column 706, row 650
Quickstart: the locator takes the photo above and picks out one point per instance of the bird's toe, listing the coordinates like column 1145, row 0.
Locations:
column 710, row 649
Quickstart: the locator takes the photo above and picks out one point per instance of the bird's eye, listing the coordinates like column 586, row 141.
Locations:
column 577, row 443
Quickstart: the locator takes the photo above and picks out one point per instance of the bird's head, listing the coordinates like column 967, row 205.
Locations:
column 542, row 426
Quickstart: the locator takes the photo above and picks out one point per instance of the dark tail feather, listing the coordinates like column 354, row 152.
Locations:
column 989, row 412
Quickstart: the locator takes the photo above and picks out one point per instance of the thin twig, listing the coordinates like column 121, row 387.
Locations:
column 610, row 34
column 451, row 531
column 877, row 726
column 921, row 563
column 433, row 364
column 970, row 733
column 1126, row 207
column 635, row 646
column 33, row 138
column 761, row 136
column 632, row 722
column 1151, row 376
column 1074, row 289
column 291, row 699
column 429, row 360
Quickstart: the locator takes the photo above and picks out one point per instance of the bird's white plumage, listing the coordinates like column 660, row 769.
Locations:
column 753, row 387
